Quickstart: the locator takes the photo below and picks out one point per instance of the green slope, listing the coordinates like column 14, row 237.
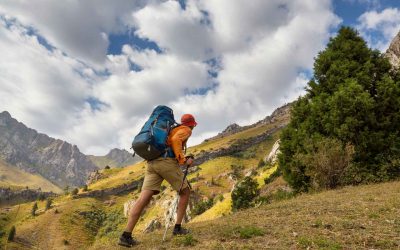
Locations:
column 11, row 176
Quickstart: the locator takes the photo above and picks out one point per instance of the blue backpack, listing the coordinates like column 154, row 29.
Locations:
column 151, row 141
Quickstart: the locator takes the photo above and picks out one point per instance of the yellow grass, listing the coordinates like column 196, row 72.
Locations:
column 261, row 176
column 221, row 208
column 120, row 176
column 11, row 176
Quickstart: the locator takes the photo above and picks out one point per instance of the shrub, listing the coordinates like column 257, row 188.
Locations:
column 93, row 219
column 202, row 206
column 249, row 232
column 112, row 220
column 236, row 172
column 66, row 190
column 261, row 163
column 326, row 162
column 107, row 167
column 41, row 197
column 272, row 176
column 11, row 233
column 219, row 197
column 34, row 209
column 48, row 203
column 186, row 240
column 85, row 188
column 244, row 193
column 75, row 191
column 243, row 232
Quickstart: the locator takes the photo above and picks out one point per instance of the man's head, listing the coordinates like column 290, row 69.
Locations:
column 188, row 120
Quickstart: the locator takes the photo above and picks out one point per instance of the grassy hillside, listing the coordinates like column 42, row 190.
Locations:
column 363, row 217
column 13, row 177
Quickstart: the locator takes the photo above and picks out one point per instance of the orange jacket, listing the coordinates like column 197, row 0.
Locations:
column 177, row 140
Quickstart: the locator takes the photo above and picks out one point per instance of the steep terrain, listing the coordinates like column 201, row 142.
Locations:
column 56, row 160
column 349, row 218
column 12, row 177
column 112, row 190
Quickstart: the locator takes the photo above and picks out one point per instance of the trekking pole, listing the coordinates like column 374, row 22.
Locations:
column 176, row 201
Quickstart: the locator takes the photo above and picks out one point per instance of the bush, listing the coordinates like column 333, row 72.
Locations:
column 48, row 203
column 261, row 163
column 244, row 193
column 93, row 219
column 85, row 188
column 75, row 191
column 326, row 162
column 186, row 240
column 11, row 233
column 236, row 172
column 34, row 209
column 202, row 206
column 66, row 190
column 243, row 232
column 272, row 176
column 41, row 197
column 112, row 220
column 107, row 167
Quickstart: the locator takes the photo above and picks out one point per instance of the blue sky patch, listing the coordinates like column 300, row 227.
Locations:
column 117, row 41
column 95, row 104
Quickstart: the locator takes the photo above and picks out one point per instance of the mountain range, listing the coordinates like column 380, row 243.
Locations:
column 59, row 162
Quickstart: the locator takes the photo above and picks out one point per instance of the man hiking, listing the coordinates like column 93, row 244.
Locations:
column 166, row 167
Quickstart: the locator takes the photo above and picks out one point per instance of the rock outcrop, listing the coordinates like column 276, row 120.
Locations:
column 273, row 155
column 11, row 197
column 393, row 52
column 56, row 160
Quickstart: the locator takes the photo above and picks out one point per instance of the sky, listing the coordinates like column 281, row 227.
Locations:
column 91, row 71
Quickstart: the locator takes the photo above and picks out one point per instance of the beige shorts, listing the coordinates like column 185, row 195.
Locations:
column 163, row 169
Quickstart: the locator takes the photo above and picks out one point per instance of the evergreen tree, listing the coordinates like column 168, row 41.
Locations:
column 244, row 193
column 48, row 203
column 11, row 233
column 34, row 209
column 354, row 97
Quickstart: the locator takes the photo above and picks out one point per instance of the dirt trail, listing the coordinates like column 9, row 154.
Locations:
column 44, row 233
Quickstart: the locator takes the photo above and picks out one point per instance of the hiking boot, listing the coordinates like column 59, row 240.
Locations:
column 180, row 231
column 127, row 241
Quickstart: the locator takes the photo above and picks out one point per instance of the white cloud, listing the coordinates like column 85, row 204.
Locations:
column 79, row 28
column 39, row 87
column 386, row 23
column 262, row 49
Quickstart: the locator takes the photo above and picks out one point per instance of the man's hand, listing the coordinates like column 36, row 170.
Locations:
column 189, row 161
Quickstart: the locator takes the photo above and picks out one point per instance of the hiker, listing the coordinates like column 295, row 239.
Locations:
column 166, row 167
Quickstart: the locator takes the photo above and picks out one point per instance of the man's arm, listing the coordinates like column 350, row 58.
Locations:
column 177, row 142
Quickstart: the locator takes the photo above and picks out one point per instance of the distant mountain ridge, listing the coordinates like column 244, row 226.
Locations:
column 56, row 160
column 282, row 112
column 115, row 158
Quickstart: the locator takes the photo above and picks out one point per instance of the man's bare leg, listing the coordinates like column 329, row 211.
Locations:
column 136, row 211
column 182, row 205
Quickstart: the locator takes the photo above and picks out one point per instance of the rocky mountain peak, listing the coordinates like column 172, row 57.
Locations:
column 5, row 115
column 119, row 156
column 393, row 52
column 56, row 160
